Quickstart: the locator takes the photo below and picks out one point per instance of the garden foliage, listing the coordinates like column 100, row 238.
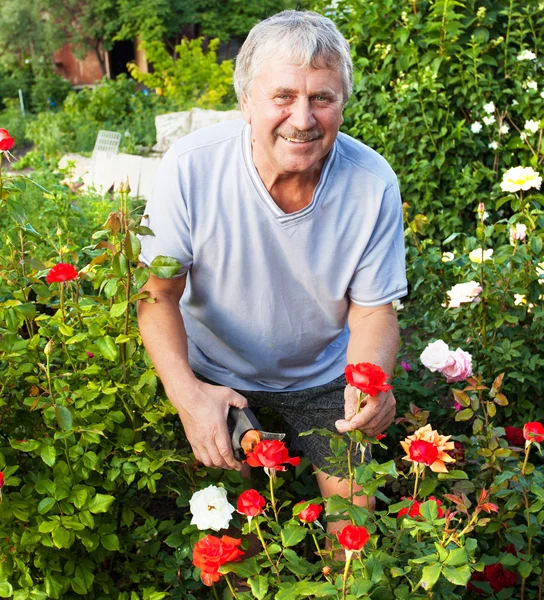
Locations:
column 99, row 492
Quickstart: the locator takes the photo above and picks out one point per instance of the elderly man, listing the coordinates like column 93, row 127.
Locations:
column 290, row 238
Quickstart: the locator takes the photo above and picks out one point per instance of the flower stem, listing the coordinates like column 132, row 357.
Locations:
column 272, row 497
column 527, row 450
column 63, row 316
column 230, row 587
column 215, row 592
column 316, row 543
column 414, row 495
column 350, row 468
column 261, row 538
column 349, row 554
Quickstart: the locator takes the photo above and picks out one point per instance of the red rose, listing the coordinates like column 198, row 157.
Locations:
column 510, row 548
column 499, row 578
column 310, row 513
column 368, row 378
column 423, row 452
column 533, row 432
column 250, row 503
column 353, row 537
column 6, row 141
column 211, row 552
column 271, row 454
column 476, row 576
column 1, row 480
column 414, row 510
column 61, row 272
column 514, row 435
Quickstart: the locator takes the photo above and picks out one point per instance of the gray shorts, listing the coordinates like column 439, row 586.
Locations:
column 313, row 408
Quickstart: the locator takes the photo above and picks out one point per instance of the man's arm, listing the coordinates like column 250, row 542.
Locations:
column 374, row 338
column 202, row 408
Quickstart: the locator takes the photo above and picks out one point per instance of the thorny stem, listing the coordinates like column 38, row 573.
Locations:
column 265, row 548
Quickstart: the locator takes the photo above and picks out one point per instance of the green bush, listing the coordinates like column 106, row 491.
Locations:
column 192, row 76
column 116, row 105
column 423, row 72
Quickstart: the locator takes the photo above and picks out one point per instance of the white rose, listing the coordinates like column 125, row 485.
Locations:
column 436, row 356
column 476, row 127
column 211, row 509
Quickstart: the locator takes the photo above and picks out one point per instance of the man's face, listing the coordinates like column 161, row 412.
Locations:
column 295, row 113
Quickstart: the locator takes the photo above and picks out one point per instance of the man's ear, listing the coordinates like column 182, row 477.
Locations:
column 244, row 107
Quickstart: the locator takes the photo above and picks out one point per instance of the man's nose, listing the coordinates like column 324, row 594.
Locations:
column 302, row 117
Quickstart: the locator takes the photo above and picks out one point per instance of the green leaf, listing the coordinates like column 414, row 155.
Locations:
column 427, row 486
column 132, row 246
column 286, row 591
column 259, row 586
column 387, row 468
column 110, row 542
column 525, row 569
column 464, row 415
column 45, row 505
column 118, row 309
column 62, row 538
column 292, row 535
column 164, row 267
column 64, row 417
column 457, row 557
column 25, row 445
column 455, row 474
column 6, row 591
column 49, row 455
column 246, row 568
column 430, row 576
column 457, row 576
column 107, row 348
column 315, row 588
column 429, row 510
column 100, row 503
column 361, row 586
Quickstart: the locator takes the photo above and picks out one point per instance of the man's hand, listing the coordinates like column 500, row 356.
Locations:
column 203, row 414
column 375, row 416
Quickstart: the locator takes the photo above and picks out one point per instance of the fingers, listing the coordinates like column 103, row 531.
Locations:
column 375, row 416
column 237, row 400
column 351, row 397
column 217, row 452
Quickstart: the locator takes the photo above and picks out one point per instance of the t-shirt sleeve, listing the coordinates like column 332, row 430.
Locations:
column 167, row 216
column 380, row 276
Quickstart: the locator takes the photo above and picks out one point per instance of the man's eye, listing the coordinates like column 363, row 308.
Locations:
column 321, row 98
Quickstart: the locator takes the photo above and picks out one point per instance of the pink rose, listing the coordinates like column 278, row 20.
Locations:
column 459, row 368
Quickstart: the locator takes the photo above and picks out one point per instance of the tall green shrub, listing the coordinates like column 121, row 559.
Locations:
column 423, row 73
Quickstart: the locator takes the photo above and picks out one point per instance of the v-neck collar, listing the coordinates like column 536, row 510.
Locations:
column 264, row 195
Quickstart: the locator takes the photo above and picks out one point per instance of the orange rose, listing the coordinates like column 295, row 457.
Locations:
column 428, row 447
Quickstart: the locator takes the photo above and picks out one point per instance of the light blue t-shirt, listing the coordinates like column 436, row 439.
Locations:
column 267, row 295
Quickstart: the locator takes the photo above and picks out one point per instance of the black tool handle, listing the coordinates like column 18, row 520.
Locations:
column 244, row 420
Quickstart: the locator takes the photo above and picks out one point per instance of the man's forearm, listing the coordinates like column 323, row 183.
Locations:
column 164, row 337
column 375, row 339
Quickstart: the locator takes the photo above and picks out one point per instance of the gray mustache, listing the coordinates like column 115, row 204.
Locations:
column 301, row 136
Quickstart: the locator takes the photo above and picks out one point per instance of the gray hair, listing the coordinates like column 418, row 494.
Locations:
column 306, row 38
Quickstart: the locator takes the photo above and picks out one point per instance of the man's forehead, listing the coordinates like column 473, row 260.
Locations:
column 278, row 75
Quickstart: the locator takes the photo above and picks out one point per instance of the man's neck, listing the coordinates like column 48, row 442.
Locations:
column 290, row 191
